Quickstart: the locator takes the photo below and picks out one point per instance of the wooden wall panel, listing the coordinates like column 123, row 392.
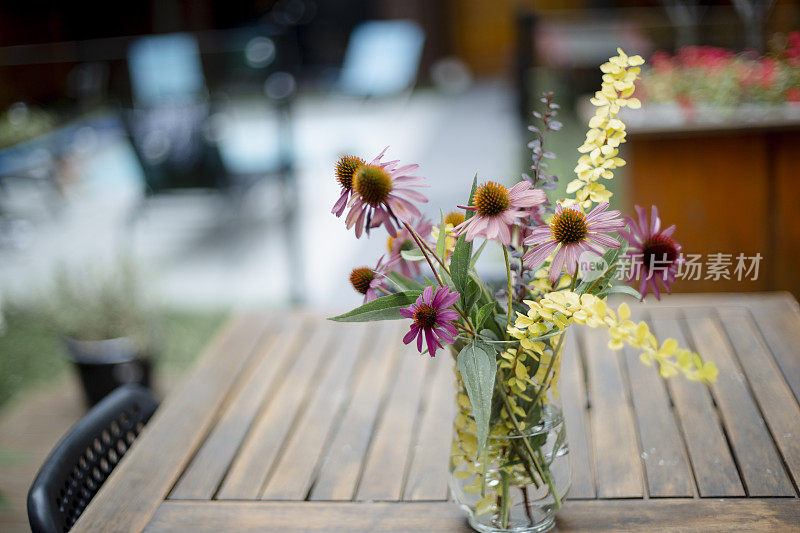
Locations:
column 716, row 188
column 786, row 226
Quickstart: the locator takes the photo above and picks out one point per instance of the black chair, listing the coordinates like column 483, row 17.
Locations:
column 81, row 462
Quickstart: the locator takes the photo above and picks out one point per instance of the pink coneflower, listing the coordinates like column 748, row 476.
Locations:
column 381, row 195
column 403, row 243
column 432, row 318
column 346, row 167
column 572, row 233
column 369, row 281
column 654, row 255
column 496, row 209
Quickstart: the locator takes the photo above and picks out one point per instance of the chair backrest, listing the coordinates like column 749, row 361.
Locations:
column 79, row 464
column 382, row 58
column 165, row 68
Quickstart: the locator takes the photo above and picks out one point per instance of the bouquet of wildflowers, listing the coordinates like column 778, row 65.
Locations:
column 509, row 441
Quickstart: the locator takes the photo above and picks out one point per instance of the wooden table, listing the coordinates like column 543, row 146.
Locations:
column 293, row 423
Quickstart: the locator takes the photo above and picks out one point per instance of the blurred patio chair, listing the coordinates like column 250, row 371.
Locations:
column 382, row 58
column 169, row 120
column 181, row 143
column 82, row 461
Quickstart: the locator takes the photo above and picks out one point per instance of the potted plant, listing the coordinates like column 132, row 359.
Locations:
column 107, row 328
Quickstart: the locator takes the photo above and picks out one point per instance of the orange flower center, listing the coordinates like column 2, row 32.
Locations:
column 454, row 217
column 425, row 316
column 346, row 167
column 491, row 199
column 569, row 226
column 361, row 277
column 373, row 184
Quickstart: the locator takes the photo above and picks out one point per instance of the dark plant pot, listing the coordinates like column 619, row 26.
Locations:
column 104, row 365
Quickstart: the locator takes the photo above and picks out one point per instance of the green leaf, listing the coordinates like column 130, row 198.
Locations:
column 470, row 296
column 460, row 263
column 483, row 313
column 384, row 308
column 477, row 254
column 403, row 283
column 441, row 242
column 477, row 365
column 412, row 255
column 488, row 334
column 611, row 258
column 469, row 213
column 624, row 289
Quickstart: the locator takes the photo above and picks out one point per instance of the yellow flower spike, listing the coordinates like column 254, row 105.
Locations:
column 635, row 60
column 606, row 131
column 615, row 344
column 709, row 372
column 669, row 347
column 624, row 311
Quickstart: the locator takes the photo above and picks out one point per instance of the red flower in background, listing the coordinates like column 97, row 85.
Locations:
column 792, row 52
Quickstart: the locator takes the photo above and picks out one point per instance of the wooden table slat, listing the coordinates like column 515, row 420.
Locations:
column 775, row 399
column 342, row 465
column 616, row 450
column 775, row 514
column 205, row 472
column 428, row 474
column 389, row 453
column 295, row 472
column 251, row 466
column 712, row 463
column 665, row 461
column 779, row 321
column 573, row 398
column 758, row 460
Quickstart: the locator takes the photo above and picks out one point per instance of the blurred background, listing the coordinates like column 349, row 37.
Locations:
column 165, row 163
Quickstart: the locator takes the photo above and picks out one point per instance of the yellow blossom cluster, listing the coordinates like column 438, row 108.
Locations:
column 547, row 355
column 606, row 132
column 449, row 240
column 540, row 284
column 565, row 307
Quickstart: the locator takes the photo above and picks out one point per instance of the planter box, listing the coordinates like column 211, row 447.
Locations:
column 730, row 185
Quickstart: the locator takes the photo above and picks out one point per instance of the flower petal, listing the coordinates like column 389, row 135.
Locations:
column 538, row 255
column 557, row 265
column 413, row 332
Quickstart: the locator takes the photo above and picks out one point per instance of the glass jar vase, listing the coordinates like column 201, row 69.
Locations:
column 519, row 480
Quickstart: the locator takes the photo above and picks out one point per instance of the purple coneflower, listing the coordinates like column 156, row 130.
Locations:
column 346, row 167
column 572, row 233
column 381, row 195
column 496, row 209
column 654, row 255
column 403, row 243
column 369, row 281
column 432, row 318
